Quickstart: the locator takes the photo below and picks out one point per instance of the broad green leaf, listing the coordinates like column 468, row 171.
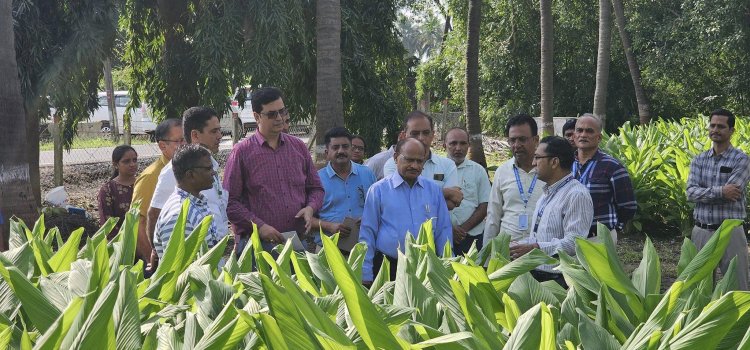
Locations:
column 647, row 277
column 487, row 332
column 98, row 331
column 594, row 336
column 504, row 277
column 285, row 313
column 363, row 313
column 709, row 256
column 53, row 337
column 129, row 235
column 40, row 311
column 126, row 315
column 687, row 254
column 706, row 331
column 535, row 330
column 67, row 253
column 604, row 266
column 728, row 281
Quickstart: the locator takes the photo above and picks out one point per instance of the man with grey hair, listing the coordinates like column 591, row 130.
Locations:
column 605, row 177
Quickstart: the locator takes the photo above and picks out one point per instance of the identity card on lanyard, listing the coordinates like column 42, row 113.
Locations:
column 523, row 219
column 586, row 176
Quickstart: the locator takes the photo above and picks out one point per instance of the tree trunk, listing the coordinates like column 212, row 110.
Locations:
column 471, row 89
column 57, row 142
column 644, row 106
column 546, row 76
column 109, row 88
column 16, row 194
column 328, row 93
column 602, row 60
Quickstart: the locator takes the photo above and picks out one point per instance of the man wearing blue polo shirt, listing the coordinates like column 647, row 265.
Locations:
column 400, row 203
column 345, row 184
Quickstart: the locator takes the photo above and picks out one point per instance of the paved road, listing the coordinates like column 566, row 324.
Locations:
column 104, row 154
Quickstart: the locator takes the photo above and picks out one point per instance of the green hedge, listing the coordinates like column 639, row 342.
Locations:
column 94, row 298
column 658, row 157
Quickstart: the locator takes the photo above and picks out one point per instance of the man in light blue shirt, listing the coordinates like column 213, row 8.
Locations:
column 400, row 203
column 345, row 184
column 439, row 169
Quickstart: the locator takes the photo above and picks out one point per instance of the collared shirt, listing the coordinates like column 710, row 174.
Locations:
column 475, row 186
column 197, row 210
column 709, row 172
column 563, row 213
column 610, row 188
column 270, row 186
column 439, row 169
column 145, row 183
column 506, row 205
column 376, row 162
column 344, row 198
column 392, row 208
column 216, row 196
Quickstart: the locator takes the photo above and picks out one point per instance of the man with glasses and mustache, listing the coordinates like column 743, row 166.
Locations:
column 271, row 179
column 606, row 178
column 169, row 138
column 193, row 169
column 563, row 213
column 716, row 184
column 516, row 187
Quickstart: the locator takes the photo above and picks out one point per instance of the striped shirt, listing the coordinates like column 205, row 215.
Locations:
column 197, row 210
column 611, row 191
column 563, row 213
column 709, row 172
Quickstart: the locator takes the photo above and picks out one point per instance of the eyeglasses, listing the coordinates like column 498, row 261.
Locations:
column 182, row 140
column 275, row 114
column 358, row 148
column 542, row 157
column 520, row 139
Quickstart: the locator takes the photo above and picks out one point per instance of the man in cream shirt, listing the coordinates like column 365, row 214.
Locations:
column 515, row 189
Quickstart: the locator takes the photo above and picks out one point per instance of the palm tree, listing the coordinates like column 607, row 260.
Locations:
column 602, row 60
column 644, row 107
column 471, row 87
column 328, row 93
column 16, row 195
column 545, row 21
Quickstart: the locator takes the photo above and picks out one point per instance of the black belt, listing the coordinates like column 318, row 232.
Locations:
column 707, row 226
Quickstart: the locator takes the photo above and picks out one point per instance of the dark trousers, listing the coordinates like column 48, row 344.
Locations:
column 463, row 246
column 542, row 276
column 377, row 261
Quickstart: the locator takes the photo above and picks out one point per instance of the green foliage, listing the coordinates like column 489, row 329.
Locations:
column 102, row 301
column 658, row 158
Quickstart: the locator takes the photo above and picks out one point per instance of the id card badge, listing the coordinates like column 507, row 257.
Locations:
column 523, row 221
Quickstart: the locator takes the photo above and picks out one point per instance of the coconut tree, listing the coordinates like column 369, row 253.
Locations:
column 471, row 87
column 547, row 49
column 602, row 60
column 644, row 106
column 328, row 93
column 16, row 195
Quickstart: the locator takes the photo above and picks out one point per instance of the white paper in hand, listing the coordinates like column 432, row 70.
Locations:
column 296, row 243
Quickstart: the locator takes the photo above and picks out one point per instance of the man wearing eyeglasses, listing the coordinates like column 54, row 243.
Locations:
column 516, row 187
column 201, row 126
column 169, row 138
column 271, row 178
column 193, row 169
column 563, row 213
column 358, row 149
column 606, row 178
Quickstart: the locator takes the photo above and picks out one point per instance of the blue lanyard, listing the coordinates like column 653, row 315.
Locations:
column 546, row 202
column 524, row 198
column 586, row 176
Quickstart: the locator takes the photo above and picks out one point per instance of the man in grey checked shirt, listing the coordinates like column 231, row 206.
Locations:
column 716, row 184
column 562, row 213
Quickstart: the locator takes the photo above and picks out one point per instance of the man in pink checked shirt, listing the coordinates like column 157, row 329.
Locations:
column 271, row 178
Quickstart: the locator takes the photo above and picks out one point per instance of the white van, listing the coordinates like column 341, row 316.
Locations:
column 140, row 118
column 245, row 113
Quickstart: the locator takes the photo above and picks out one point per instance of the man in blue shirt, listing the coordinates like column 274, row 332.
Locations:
column 398, row 203
column 345, row 184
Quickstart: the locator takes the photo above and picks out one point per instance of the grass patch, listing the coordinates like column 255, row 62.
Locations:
column 95, row 142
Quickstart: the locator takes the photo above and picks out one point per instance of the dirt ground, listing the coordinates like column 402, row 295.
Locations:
column 82, row 184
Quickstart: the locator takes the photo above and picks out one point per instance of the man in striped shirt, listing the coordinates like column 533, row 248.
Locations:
column 716, row 184
column 563, row 213
column 194, row 173
column 607, row 180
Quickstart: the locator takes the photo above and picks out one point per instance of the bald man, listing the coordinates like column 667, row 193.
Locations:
column 605, row 177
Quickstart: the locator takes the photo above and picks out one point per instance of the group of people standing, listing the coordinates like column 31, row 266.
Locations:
column 549, row 193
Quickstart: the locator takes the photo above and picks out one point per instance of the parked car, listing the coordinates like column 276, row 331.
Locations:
column 245, row 112
column 140, row 118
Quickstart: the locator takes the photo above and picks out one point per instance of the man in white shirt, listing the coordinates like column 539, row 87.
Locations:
column 563, row 213
column 201, row 125
column 468, row 218
column 516, row 188
column 376, row 162
column 437, row 168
